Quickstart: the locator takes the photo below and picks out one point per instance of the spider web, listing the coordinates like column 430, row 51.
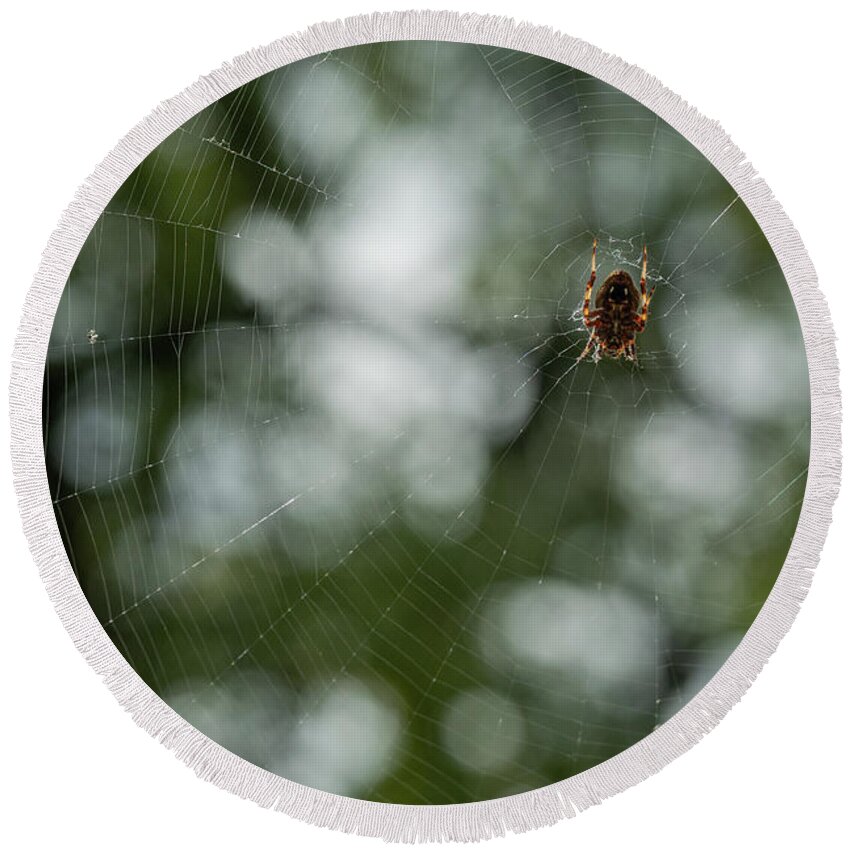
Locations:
column 326, row 464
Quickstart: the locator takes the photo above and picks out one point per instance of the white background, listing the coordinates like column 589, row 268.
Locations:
column 77, row 76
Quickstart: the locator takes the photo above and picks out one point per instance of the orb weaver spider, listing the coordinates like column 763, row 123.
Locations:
column 620, row 313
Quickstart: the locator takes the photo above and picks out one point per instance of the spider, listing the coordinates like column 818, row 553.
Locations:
column 620, row 313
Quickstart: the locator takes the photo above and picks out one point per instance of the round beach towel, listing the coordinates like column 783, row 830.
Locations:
column 423, row 425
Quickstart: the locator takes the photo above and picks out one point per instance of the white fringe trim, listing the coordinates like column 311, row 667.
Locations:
column 472, row 821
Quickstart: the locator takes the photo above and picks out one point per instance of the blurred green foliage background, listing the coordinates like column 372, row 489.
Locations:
column 324, row 461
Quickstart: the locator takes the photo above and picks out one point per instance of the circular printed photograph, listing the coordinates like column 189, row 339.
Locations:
column 426, row 422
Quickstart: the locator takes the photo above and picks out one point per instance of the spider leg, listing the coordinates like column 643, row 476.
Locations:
column 645, row 298
column 585, row 310
column 590, row 343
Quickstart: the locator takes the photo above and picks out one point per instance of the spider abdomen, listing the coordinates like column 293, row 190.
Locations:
column 618, row 291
